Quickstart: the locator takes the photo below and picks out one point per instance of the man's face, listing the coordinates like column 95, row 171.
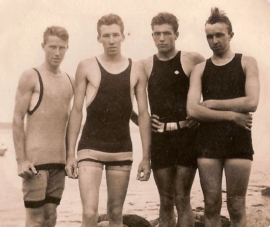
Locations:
column 111, row 38
column 218, row 37
column 55, row 50
column 164, row 37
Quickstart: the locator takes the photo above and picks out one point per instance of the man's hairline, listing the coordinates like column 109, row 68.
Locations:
column 121, row 32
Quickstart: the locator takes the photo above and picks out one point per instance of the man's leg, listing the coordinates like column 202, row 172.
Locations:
column 237, row 176
column 50, row 215
column 89, row 184
column 34, row 217
column 54, row 191
column 165, row 181
column 210, row 171
column 184, row 181
column 117, row 184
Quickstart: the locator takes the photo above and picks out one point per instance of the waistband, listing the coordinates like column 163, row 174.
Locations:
column 172, row 126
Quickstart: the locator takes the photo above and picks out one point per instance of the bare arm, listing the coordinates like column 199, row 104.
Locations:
column 144, row 125
column 24, row 93
column 245, row 104
column 134, row 118
column 202, row 113
column 75, row 120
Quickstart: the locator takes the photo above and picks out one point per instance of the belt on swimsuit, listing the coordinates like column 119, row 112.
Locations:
column 172, row 126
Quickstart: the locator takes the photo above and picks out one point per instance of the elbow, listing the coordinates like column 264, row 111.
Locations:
column 252, row 105
column 191, row 112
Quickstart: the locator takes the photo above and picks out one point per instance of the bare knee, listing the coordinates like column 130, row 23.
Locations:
column 34, row 217
column 212, row 206
column 89, row 215
column 182, row 202
column 236, row 207
column 50, row 218
column 115, row 214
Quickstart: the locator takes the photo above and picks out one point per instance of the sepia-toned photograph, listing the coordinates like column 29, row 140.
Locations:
column 134, row 113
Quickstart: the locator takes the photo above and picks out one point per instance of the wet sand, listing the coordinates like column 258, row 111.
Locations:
column 142, row 198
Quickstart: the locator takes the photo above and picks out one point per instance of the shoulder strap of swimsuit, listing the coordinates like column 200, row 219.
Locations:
column 30, row 112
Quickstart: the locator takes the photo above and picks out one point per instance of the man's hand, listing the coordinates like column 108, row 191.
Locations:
column 26, row 169
column 192, row 123
column 144, row 171
column 155, row 123
column 243, row 120
column 72, row 168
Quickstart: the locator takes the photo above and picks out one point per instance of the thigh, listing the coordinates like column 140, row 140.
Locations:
column 89, row 184
column 165, row 180
column 34, row 189
column 210, row 171
column 237, row 172
column 184, row 180
column 117, row 184
column 55, row 187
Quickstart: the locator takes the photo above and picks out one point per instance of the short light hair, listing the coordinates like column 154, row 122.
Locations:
column 165, row 18
column 58, row 31
column 109, row 20
column 218, row 16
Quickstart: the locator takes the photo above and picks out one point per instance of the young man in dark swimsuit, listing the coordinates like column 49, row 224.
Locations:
column 229, row 84
column 109, row 83
column 173, row 159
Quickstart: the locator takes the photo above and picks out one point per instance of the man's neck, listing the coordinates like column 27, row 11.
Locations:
column 224, row 58
column 112, row 58
column 165, row 56
column 53, row 70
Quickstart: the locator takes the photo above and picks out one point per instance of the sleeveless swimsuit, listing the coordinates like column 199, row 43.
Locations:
column 106, row 134
column 224, row 140
column 167, row 90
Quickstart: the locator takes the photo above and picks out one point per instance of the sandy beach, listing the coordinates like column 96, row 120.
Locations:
column 142, row 198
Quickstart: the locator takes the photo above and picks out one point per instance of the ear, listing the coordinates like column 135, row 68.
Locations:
column 123, row 37
column 98, row 38
column 231, row 35
column 42, row 45
column 176, row 35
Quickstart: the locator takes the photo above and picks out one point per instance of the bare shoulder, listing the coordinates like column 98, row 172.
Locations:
column 28, row 79
column 193, row 57
column 86, row 67
column 248, row 61
column 86, row 63
column 147, row 65
column 199, row 68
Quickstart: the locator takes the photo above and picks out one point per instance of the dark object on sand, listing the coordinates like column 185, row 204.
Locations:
column 266, row 191
column 198, row 221
column 133, row 220
column 129, row 220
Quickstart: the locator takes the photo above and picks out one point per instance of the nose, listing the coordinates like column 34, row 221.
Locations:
column 57, row 51
column 215, row 40
column 161, row 37
column 111, row 40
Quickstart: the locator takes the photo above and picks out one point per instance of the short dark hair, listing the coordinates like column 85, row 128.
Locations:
column 109, row 20
column 218, row 16
column 165, row 18
column 58, row 31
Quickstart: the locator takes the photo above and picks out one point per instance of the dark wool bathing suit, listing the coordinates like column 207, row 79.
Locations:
column 224, row 140
column 167, row 90
column 106, row 135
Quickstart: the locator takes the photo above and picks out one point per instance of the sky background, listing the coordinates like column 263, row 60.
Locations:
column 23, row 23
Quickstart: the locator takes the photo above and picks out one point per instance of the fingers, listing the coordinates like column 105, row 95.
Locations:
column 143, row 174
column 33, row 169
column 72, row 171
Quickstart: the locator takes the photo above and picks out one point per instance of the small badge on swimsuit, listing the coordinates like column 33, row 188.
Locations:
column 176, row 72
